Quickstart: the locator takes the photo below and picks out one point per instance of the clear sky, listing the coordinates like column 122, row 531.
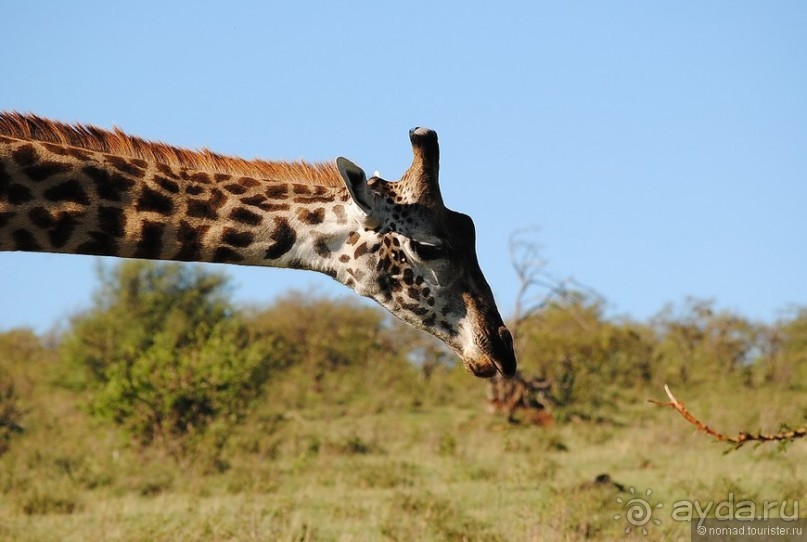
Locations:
column 660, row 147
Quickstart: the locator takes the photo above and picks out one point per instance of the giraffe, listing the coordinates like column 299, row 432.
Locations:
column 73, row 188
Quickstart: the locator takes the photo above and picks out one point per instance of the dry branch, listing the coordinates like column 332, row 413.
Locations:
column 741, row 438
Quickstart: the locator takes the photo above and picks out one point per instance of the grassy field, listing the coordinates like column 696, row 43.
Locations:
column 374, row 471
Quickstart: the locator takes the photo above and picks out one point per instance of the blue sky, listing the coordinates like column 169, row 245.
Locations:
column 661, row 148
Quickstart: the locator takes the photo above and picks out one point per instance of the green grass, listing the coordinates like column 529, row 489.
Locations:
column 437, row 472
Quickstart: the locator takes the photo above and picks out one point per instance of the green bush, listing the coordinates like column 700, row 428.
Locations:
column 163, row 354
column 586, row 357
column 698, row 343
column 10, row 412
column 336, row 352
column 24, row 361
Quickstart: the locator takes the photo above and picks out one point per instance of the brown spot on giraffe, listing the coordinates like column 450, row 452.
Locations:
column 312, row 217
column 149, row 245
column 108, row 186
column 245, row 216
column 207, row 208
column 274, row 207
column 5, row 218
column 131, row 167
column 235, row 188
column 339, row 212
column 62, row 229
column 5, row 178
column 17, row 194
column 237, row 238
column 24, row 155
column 72, row 152
column 78, row 154
column 261, row 202
column 200, row 177
column 226, row 254
column 68, row 191
column 321, row 247
column 154, row 201
column 112, row 220
column 24, row 240
column 100, row 244
column 353, row 238
column 276, row 191
column 256, row 200
column 283, row 238
column 194, row 189
column 307, row 200
column 167, row 184
column 191, row 241
column 358, row 274
column 249, row 182
column 41, row 171
column 41, row 218
column 360, row 251
column 166, row 170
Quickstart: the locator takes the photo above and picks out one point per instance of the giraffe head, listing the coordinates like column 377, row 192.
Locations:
column 418, row 259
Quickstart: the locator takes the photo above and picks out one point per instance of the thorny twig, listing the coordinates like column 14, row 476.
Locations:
column 742, row 438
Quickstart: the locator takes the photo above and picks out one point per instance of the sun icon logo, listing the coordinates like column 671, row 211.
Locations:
column 638, row 511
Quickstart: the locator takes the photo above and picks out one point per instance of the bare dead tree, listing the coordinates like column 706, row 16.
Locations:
column 537, row 287
column 743, row 437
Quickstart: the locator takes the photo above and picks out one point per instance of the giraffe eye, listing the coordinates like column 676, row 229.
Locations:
column 426, row 251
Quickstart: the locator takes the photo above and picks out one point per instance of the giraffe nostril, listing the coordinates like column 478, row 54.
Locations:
column 506, row 354
column 506, row 337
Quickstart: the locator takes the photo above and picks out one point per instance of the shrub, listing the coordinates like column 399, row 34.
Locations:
column 164, row 355
column 10, row 412
column 586, row 357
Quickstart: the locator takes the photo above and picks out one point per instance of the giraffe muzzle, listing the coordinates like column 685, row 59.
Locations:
column 497, row 355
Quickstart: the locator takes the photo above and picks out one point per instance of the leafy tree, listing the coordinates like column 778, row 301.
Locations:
column 24, row 365
column 164, row 354
column 703, row 344
column 585, row 357
column 336, row 351
column 784, row 360
column 10, row 412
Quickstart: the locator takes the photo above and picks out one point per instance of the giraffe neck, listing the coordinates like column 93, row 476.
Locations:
column 80, row 189
column 59, row 198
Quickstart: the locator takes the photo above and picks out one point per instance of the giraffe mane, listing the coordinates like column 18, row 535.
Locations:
column 89, row 137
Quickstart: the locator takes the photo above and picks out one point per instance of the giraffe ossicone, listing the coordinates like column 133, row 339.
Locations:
column 80, row 189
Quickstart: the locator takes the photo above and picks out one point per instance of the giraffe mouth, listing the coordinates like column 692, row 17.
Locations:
column 497, row 355
column 485, row 369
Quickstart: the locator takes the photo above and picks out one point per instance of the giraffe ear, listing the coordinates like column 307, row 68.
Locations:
column 356, row 182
